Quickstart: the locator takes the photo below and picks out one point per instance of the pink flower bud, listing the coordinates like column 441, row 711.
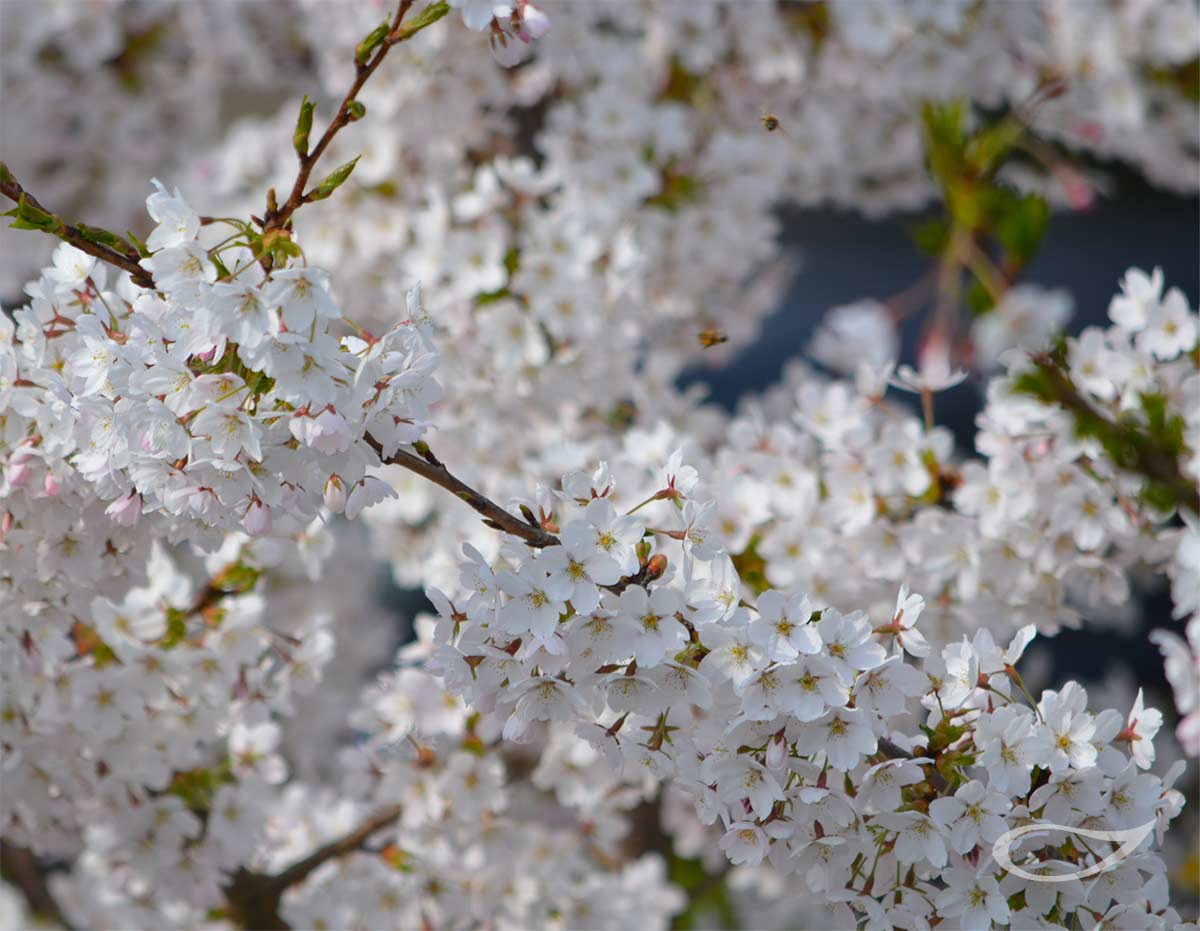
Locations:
column 125, row 511
column 534, row 23
column 18, row 473
column 335, row 494
column 777, row 753
column 258, row 519
column 50, row 485
column 1079, row 193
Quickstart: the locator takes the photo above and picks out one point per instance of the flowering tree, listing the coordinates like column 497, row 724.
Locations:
column 763, row 665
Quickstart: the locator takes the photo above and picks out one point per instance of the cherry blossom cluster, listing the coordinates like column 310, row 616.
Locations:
column 154, row 76
column 832, row 488
column 461, row 848
column 215, row 401
column 1041, row 528
column 850, row 73
column 805, row 731
column 162, row 79
column 162, row 759
column 719, row 621
column 468, row 848
column 529, row 261
column 123, row 714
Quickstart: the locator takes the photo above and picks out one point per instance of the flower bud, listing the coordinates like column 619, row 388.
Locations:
column 777, row 752
column 258, row 519
column 50, row 485
column 534, row 23
column 335, row 494
column 18, row 473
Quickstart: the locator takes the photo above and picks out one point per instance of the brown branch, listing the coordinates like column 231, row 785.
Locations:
column 254, row 897
column 128, row 261
column 493, row 515
column 20, row 867
column 278, row 218
column 298, row 872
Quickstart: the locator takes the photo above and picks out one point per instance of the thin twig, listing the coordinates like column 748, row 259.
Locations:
column 12, row 189
column 493, row 515
column 278, row 218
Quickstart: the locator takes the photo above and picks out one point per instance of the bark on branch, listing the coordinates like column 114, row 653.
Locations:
column 279, row 217
column 254, row 897
column 21, row 868
column 126, row 261
column 493, row 515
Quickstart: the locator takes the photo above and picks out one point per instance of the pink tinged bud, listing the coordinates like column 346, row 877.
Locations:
column 1079, row 193
column 257, row 520
column 335, row 494
column 777, row 753
column 125, row 511
column 18, row 473
column 933, row 355
column 50, row 485
column 534, row 23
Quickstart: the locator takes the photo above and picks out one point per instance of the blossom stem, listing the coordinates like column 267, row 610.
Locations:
column 927, row 409
column 299, row 871
column 983, row 268
column 657, row 496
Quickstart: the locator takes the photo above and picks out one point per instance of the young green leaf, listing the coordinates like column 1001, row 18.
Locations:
column 303, row 127
column 427, row 17
column 333, row 181
column 104, row 237
column 373, row 40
